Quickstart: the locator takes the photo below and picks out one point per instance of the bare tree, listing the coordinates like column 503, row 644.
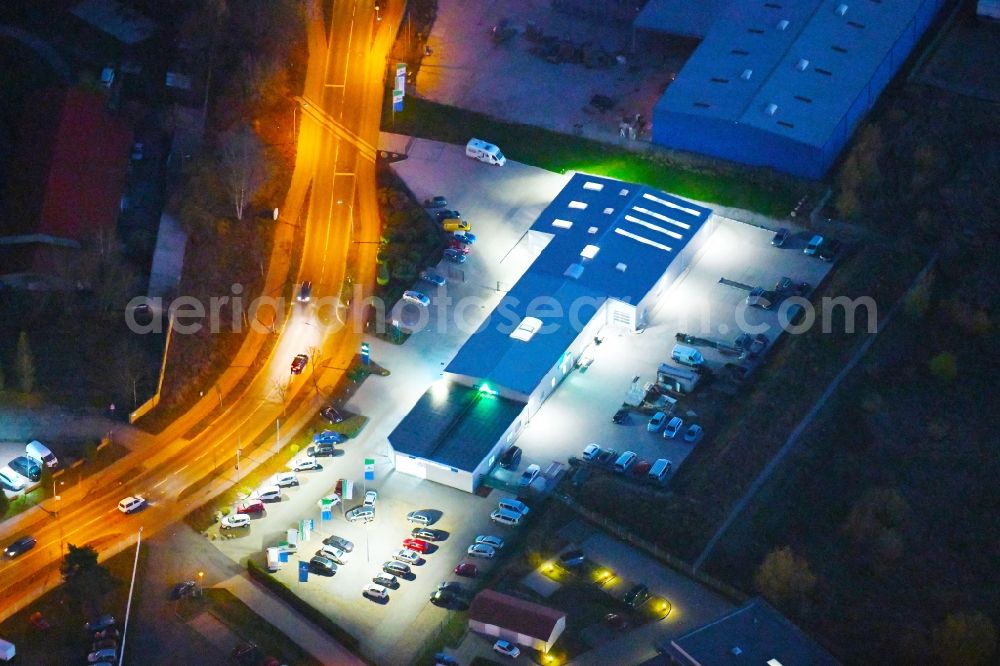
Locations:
column 280, row 388
column 24, row 364
column 243, row 165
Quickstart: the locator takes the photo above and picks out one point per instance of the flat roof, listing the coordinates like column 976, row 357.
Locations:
column 754, row 633
column 454, row 425
column 606, row 238
column 688, row 18
column 789, row 67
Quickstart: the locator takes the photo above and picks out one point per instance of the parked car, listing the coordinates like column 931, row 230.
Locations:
column 370, row 498
column 641, row 468
column 455, row 224
column 339, row 542
column 693, row 434
column 443, row 598
column 100, row 623
column 506, row 517
column 323, row 566
column 105, row 644
column 304, row 464
column 454, row 256
column 507, row 649
column 813, row 245
column 515, row 505
column 416, row 297
column 418, row 545
column 673, row 427
column 435, row 202
column 625, row 462
column 269, row 493
column 285, row 479
column 27, row 468
column 19, row 546
column 182, row 589
column 529, row 475
column 130, row 504
column 406, row 555
column 467, row 569
column 396, row 568
column 106, row 655
column 591, row 452
column 442, row 215
column 329, row 437
column 321, row 450
column 434, row 278
column 331, row 414
column 376, row 592
column 780, row 236
column 637, row 596
column 465, row 237
column 511, row 458
column 620, row 417
column 250, row 507
column 481, row 550
column 452, row 586
column 299, row 364
column 109, row 632
column 616, row 621
column 234, row 521
column 11, row 480
column 762, row 298
column 386, row 580
column 420, row 517
column 490, row 540
column 607, row 457
column 656, row 422
column 829, row 250
column 305, row 292
column 334, row 553
column 442, row 659
column 572, row 558
column 458, row 246
column 365, row 514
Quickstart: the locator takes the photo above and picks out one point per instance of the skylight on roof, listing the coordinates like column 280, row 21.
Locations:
column 659, row 216
column 641, row 239
column 609, row 211
column 671, row 204
column 592, row 230
column 623, row 192
column 654, row 227
column 577, row 204
column 590, row 252
column 526, row 329
column 590, row 185
column 562, row 224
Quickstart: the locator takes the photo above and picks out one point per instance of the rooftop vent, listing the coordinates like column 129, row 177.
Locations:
column 573, row 271
column 592, row 230
column 737, row 650
column 747, row 73
column 562, row 224
column 590, row 185
column 841, row 10
column 577, row 204
column 771, row 109
column 608, row 211
column 620, row 267
column 802, row 65
column 782, row 24
column 526, row 329
column 590, row 252
column 623, row 192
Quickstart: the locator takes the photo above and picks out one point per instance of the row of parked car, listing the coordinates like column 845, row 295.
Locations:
column 25, row 470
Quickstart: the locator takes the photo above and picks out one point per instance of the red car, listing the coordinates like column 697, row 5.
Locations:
column 467, row 569
column 641, row 468
column 250, row 506
column 418, row 545
column 459, row 246
column 299, row 364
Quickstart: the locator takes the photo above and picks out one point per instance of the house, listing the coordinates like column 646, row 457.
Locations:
column 529, row 624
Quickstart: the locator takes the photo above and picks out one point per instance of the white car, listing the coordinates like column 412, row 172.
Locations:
column 673, row 427
column 235, row 520
column 365, row 514
column 591, row 452
column 374, row 591
column 507, row 649
column 529, row 475
column 490, row 540
column 656, row 422
column 416, row 297
column 130, row 504
column 268, row 493
column 407, row 555
column 11, row 480
column 303, row 464
column 482, row 550
column 370, row 498
column 285, row 479
column 334, row 553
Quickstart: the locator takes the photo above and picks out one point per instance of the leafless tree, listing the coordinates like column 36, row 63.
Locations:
column 244, row 167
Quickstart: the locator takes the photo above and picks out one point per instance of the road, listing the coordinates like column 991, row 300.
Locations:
column 332, row 193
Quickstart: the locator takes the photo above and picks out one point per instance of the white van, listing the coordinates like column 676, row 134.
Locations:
column 687, row 355
column 514, row 505
column 484, row 152
column 7, row 650
column 273, row 559
column 38, row 451
column 660, row 469
column 506, row 517
column 625, row 461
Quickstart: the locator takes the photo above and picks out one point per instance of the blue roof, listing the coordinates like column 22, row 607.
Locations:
column 454, row 425
column 689, row 18
column 637, row 232
column 807, row 58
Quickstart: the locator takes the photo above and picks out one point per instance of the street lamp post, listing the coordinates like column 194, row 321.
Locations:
column 201, row 577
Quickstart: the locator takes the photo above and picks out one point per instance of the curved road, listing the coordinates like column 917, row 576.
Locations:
column 335, row 166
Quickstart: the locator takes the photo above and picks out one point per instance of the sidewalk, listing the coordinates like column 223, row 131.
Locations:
column 284, row 617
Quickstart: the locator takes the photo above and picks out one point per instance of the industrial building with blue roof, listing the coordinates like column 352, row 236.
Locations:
column 784, row 83
column 606, row 250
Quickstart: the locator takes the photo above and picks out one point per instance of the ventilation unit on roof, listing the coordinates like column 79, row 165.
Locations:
column 562, row 224
column 841, row 10
column 607, row 211
column 621, row 267
column 802, row 65
column 772, row 109
column 573, row 271
column 747, row 73
column 590, row 252
column 589, row 185
column 579, row 205
column 592, row 230
column 623, row 192
column 782, row 24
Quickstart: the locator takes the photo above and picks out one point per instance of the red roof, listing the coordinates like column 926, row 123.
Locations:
column 513, row 614
column 71, row 160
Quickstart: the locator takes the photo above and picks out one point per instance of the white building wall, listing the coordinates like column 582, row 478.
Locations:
column 691, row 252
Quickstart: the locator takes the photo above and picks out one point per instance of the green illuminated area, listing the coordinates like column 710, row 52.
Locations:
column 757, row 190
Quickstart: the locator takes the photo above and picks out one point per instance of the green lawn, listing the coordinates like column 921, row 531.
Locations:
column 753, row 189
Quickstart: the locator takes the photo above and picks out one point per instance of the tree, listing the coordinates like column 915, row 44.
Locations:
column 244, row 168
column 965, row 639
column 784, row 576
column 24, row 364
column 4, row 504
column 944, row 366
column 86, row 580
